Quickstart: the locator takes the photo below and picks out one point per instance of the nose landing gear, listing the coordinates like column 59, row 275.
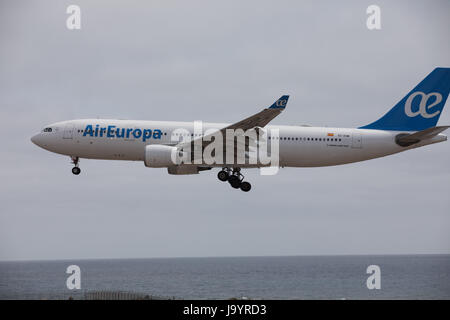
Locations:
column 234, row 178
column 76, row 170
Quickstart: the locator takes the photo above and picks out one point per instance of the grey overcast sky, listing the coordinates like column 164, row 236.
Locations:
column 217, row 61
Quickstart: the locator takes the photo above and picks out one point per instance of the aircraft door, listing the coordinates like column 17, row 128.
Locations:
column 68, row 131
column 357, row 141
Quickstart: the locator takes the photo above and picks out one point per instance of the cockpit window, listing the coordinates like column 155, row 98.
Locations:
column 48, row 130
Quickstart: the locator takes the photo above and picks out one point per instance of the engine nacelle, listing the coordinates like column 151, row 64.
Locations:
column 160, row 156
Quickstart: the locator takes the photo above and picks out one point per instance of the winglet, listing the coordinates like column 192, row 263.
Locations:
column 280, row 103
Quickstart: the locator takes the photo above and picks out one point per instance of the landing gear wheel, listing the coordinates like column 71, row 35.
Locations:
column 223, row 175
column 245, row 186
column 234, row 181
column 75, row 170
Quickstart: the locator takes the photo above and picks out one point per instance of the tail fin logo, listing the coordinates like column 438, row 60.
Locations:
column 281, row 103
column 423, row 105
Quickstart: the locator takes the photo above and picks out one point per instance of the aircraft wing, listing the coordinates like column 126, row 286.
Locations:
column 262, row 118
column 259, row 120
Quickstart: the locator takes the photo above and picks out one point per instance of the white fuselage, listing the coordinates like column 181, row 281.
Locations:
column 299, row 146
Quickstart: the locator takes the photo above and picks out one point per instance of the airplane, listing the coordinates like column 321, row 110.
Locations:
column 410, row 124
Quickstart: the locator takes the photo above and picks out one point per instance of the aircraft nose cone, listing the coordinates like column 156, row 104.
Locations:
column 36, row 139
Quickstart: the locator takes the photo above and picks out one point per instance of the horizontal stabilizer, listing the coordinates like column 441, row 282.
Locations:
column 405, row 140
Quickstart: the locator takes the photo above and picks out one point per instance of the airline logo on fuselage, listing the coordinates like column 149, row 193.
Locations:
column 423, row 107
column 112, row 131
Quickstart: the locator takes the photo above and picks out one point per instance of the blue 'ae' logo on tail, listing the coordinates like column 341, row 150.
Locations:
column 423, row 105
column 280, row 103
column 419, row 109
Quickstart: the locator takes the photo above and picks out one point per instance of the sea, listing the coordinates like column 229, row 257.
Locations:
column 290, row 277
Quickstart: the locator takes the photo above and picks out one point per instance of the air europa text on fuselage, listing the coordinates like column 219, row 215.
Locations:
column 124, row 133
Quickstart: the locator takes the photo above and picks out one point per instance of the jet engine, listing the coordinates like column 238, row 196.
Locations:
column 161, row 156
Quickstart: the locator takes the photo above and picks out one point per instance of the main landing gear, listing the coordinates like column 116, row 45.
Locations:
column 234, row 178
column 76, row 170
